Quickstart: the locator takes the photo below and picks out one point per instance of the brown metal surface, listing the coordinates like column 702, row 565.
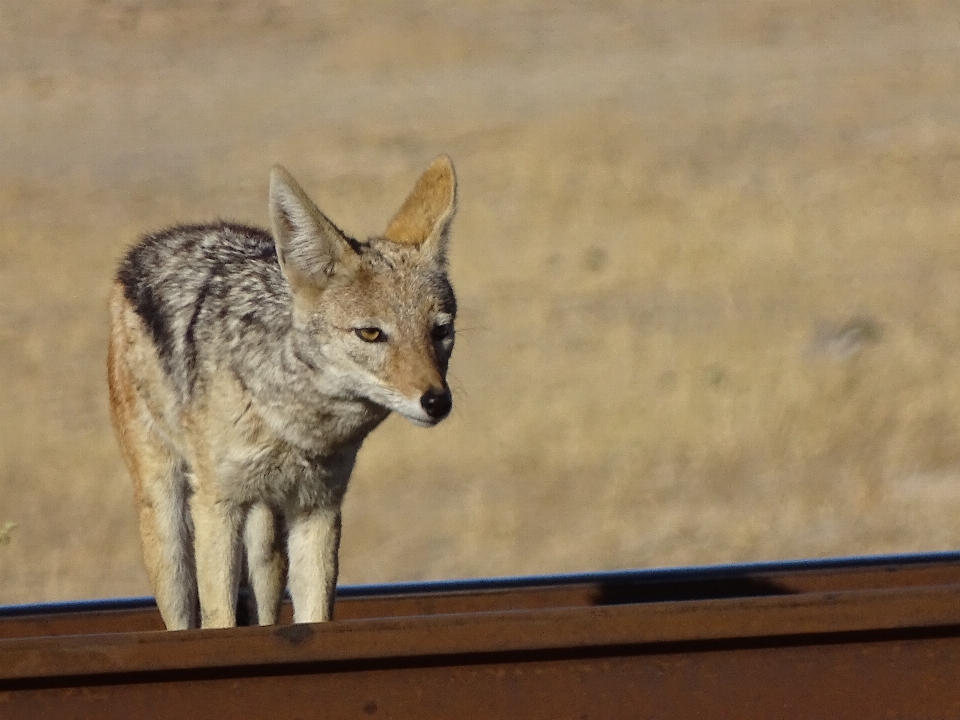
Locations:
column 402, row 600
column 866, row 639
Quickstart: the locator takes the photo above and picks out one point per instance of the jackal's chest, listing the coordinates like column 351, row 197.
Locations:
column 285, row 476
column 289, row 451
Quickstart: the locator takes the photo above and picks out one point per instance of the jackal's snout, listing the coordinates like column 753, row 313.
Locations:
column 436, row 403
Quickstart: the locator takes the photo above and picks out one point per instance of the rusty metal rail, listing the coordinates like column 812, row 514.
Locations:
column 853, row 638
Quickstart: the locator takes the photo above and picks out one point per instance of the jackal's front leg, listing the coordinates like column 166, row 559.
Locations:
column 313, row 544
column 217, row 543
column 266, row 561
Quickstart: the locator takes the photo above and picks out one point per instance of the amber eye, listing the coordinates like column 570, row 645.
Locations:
column 370, row 334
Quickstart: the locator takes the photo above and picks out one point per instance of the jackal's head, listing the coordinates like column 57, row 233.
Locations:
column 374, row 318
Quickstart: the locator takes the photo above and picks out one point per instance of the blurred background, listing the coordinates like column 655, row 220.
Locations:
column 707, row 257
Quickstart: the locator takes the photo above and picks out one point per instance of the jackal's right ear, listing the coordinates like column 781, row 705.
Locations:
column 310, row 248
column 425, row 216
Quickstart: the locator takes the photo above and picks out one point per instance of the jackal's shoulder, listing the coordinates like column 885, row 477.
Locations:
column 195, row 247
column 204, row 285
column 185, row 263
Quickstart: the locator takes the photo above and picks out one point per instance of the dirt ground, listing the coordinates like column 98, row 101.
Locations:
column 708, row 262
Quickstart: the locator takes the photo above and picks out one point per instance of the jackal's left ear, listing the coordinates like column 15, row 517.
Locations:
column 310, row 248
column 425, row 216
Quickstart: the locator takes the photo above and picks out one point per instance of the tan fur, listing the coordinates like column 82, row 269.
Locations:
column 410, row 369
column 428, row 206
column 148, row 459
column 241, row 447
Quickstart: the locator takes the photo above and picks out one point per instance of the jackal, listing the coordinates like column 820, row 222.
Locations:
column 245, row 371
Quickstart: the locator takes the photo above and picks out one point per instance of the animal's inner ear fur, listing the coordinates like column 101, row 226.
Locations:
column 425, row 215
column 310, row 247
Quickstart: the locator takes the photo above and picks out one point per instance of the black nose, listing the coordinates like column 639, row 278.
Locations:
column 437, row 402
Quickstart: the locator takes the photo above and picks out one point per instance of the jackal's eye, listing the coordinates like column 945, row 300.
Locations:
column 441, row 332
column 370, row 334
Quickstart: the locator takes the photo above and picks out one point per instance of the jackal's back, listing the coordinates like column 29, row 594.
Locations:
column 203, row 286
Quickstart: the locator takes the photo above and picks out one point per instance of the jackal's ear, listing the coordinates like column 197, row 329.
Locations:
column 425, row 216
column 311, row 249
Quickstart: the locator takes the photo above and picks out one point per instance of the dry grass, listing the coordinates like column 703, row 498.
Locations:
column 707, row 259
